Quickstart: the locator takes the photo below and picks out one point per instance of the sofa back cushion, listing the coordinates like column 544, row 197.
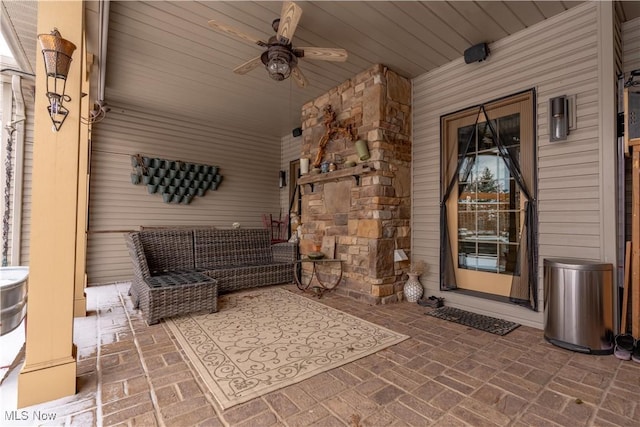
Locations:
column 168, row 249
column 235, row 247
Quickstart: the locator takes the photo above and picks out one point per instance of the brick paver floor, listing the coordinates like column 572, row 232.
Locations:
column 131, row 374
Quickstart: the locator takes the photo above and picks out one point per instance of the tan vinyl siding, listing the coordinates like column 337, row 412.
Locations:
column 6, row 115
column 631, row 45
column 556, row 57
column 249, row 164
column 25, row 202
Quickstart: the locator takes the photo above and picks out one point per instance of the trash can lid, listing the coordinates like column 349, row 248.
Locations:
column 577, row 264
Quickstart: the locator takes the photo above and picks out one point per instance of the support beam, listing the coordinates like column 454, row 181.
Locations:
column 84, row 155
column 49, row 371
column 635, row 244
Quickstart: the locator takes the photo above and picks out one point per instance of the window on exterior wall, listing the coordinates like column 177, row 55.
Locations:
column 488, row 207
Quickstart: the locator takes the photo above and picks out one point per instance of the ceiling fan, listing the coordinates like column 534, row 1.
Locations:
column 281, row 58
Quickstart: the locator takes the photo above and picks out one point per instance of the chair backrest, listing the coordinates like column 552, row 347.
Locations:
column 138, row 258
column 235, row 247
column 168, row 249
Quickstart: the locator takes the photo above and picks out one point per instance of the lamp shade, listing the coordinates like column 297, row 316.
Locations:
column 57, row 54
column 278, row 60
column 278, row 68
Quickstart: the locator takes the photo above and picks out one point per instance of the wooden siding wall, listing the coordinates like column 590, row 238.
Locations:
column 556, row 57
column 248, row 162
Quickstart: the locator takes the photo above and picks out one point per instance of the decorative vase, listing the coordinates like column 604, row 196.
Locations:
column 413, row 289
column 362, row 149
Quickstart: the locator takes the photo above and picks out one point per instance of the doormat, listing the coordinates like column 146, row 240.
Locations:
column 477, row 321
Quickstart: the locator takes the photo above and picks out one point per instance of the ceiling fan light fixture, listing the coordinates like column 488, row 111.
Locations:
column 278, row 69
column 280, row 57
column 278, row 60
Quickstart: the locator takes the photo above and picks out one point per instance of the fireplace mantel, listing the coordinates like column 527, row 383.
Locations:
column 356, row 172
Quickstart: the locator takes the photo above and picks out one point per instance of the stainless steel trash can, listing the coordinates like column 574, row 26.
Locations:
column 578, row 305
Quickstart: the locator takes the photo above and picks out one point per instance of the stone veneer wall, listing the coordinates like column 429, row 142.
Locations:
column 365, row 223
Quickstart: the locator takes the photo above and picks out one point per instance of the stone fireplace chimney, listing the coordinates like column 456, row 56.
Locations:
column 361, row 213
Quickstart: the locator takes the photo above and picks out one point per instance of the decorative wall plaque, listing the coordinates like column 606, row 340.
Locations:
column 175, row 180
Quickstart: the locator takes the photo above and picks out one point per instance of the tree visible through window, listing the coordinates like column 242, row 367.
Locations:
column 488, row 201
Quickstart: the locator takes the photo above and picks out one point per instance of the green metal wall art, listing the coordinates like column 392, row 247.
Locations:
column 175, row 180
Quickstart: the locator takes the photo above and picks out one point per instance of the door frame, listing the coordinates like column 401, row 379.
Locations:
column 525, row 104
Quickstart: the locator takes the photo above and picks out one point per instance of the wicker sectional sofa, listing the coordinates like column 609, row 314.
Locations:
column 178, row 271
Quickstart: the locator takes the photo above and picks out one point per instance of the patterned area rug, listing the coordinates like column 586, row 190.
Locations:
column 266, row 339
column 478, row 321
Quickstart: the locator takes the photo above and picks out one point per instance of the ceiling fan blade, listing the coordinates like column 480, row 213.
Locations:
column 289, row 18
column 248, row 66
column 324, row 53
column 233, row 32
column 299, row 78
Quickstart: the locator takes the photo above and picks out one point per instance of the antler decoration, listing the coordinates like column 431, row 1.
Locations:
column 332, row 131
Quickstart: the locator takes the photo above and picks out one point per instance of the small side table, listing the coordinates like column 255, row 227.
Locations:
column 322, row 287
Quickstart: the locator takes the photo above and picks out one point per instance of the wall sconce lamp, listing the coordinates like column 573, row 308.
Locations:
column 57, row 54
column 282, row 182
column 562, row 117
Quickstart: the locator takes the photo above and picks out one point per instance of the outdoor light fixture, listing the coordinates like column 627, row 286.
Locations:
column 558, row 118
column 57, row 54
column 282, row 182
column 279, row 60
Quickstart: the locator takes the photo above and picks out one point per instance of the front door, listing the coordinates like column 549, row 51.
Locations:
column 485, row 211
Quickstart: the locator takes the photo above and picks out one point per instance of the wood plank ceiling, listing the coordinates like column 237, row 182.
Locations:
column 163, row 57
